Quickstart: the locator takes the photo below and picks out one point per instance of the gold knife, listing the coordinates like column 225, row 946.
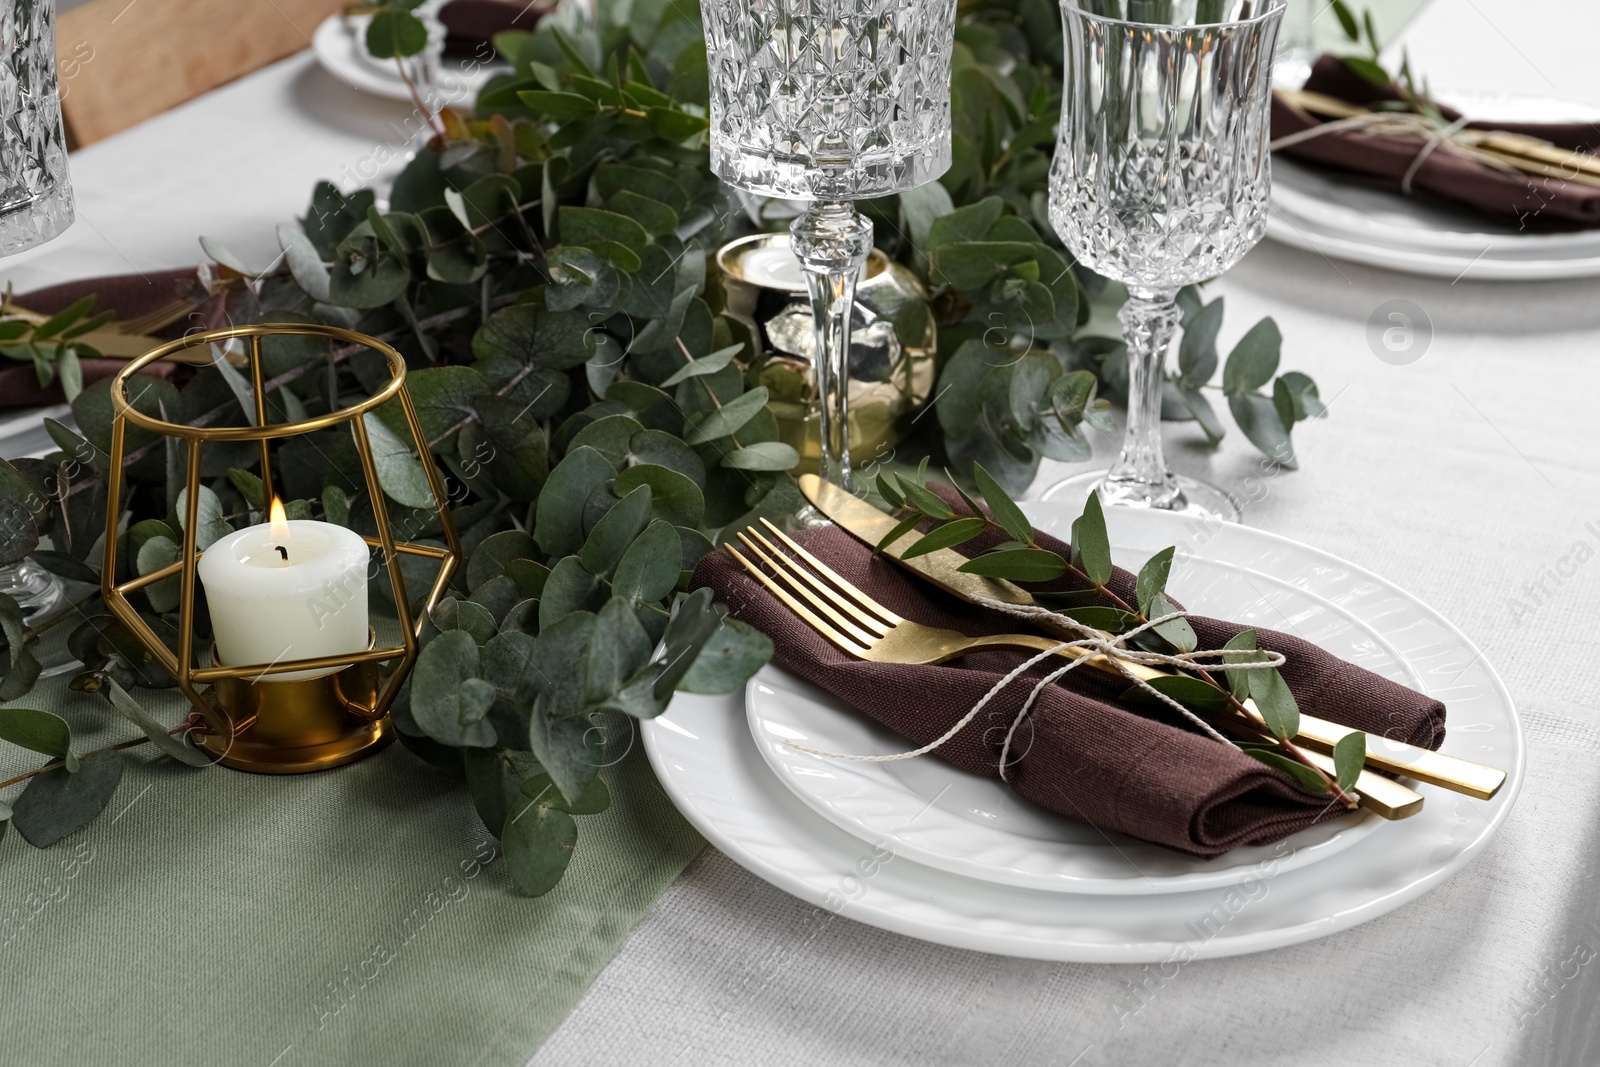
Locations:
column 941, row 568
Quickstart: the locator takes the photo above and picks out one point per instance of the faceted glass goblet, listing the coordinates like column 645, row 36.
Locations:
column 1161, row 178
column 35, row 191
column 830, row 101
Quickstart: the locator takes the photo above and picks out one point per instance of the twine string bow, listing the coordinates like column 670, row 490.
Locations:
column 1408, row 125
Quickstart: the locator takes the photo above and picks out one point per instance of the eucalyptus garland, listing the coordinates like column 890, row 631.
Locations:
column 542, row 265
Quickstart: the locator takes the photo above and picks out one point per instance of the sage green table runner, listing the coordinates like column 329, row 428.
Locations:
column 357, row 916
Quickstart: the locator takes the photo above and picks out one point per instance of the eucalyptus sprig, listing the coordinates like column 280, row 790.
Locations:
column 1368, row 66
column 53, row 344
column 1021, row 558
column 542, row 265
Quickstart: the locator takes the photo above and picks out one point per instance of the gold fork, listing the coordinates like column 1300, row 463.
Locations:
column 859, row 626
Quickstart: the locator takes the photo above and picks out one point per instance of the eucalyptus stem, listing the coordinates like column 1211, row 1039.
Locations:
column 1288, row 746
column 190, row 723
column 47, row 623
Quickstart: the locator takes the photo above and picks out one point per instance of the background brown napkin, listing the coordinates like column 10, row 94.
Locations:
column 129, row 295
column 1085, row 754
column 1529, row 201
column 469, row 23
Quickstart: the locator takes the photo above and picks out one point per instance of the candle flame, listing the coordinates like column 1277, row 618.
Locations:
column 280, row 522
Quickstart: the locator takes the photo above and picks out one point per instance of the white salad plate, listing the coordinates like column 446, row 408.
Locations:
column 340, row 45
column 708, row 762
column 1347, row 217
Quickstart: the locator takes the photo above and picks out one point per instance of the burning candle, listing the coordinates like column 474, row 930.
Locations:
column 286, row 590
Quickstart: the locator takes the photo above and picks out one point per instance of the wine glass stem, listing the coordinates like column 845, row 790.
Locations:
column 1149, row 320
column 832, row 240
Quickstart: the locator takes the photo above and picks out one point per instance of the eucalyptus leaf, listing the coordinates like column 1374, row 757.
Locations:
column 498, row 551
column 674, row 497
column 925, row 500
column 1349, row 758
column 648, row 570
column 58, row 802
column 1240, row 648
column 729, row 418
column 210, row 526
column 538, row 841
column 1274, row 701
column 541, row 789
column 1153, row 579
column 1306, row 778
column 618, row 647
column 704, row 365
column 1091, row 546
column 448, row 699
column 494, row 779
column 1176, row 632
column 955, row 532
column 1005, row 512
column 571, row 587
column 1017, row 565
column 1192, row 693
column 177, row 747
column 763, row 456
column 399, row 471
column 1253, row 360
column 41, row 731
column 558, row 524
column 728, row 659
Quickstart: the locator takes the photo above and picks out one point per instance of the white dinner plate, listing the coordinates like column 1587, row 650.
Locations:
column 1346, row 217
column 933, row 813
column 708, row 763
column 340, row 45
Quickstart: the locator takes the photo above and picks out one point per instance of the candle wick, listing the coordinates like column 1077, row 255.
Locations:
column 284, row 552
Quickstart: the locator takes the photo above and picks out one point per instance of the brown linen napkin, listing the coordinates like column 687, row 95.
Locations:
column 470, row 23
column 1085, row 754
column 129, row 295
column 1530, row 201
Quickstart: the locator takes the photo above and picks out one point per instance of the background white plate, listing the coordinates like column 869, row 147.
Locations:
column 707, row 762
column 1346, row 217
column 340, row 45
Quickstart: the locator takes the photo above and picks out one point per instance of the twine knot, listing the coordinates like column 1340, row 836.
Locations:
column 1091, row 643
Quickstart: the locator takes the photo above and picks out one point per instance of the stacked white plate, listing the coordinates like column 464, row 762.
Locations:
column 341, row 49
column 1345, row 217
column 917, row 847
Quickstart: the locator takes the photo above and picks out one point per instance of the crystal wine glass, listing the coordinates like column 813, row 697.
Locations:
column 1161, row 178
column 35, row 191
column 830, row 101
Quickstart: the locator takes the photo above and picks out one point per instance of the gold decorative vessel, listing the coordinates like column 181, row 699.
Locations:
column 891, row 346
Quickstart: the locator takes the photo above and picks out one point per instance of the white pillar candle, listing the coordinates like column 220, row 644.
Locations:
column 286, row 590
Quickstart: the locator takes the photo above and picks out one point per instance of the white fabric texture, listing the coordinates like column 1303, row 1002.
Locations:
column 1470, row 477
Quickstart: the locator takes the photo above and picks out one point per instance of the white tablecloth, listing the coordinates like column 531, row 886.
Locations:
column 1470, row 476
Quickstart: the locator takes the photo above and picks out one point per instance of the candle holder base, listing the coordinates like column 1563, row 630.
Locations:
column 297, row 726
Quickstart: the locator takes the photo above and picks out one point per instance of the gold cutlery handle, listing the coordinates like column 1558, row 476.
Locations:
column 1375, row 793
column 1398, row 757
column 1382, row 796
column 1320, row 735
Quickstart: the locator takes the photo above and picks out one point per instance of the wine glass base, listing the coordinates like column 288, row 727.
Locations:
column 1189, row 497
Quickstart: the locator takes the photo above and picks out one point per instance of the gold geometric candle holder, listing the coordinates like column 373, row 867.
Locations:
column 255, row 723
